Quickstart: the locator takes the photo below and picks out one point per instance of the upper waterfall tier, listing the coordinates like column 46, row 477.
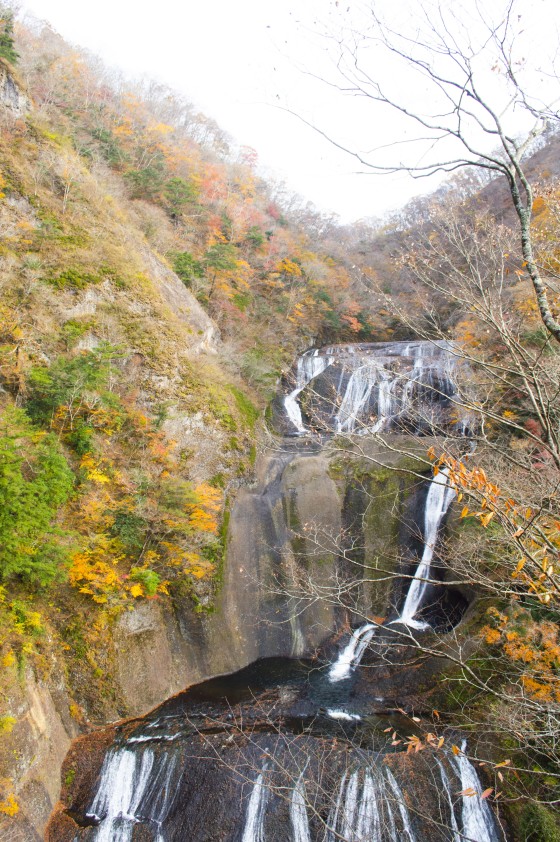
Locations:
column 382, row 386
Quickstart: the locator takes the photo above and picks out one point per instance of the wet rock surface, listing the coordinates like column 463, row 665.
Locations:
column 336, row 553
column 272, row 741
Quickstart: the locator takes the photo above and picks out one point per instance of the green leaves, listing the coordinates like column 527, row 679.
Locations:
column 35, row 480
column 7, row 49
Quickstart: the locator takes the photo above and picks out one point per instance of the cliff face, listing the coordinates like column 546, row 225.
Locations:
column 113, row 372
column 71, row 657
column 14, row 102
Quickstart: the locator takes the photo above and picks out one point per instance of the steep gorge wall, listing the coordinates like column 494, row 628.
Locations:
column 284, row 539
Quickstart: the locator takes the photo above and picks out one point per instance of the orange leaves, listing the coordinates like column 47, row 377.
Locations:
column 9, row 805
column 490, row 635
column 203, row 512
column 92, row 575
column 202, row 521
column 352, row 323
column 534, row 532
column 533, row 646
column 485, row 518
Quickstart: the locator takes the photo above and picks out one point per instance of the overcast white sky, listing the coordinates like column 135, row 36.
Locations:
column 241, row 59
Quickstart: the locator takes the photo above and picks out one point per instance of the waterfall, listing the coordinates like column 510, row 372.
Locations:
column 309, row 366
column 256, row 811
column 447, row 788
column 352, row 653
column 399, row 799
column 378, row 386
column 298, row 812
column 130, row 780
column 476, row 815
column 357, row 395
column 121, row 788
column 440, row 495
column 362, row 803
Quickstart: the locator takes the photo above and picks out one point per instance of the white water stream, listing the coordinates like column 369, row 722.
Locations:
column 130, row 781
column 378, row 384
column 352, row 653
column 309, row 366
column 368, row 804
column 438, row 500
column 298, row 812
column 477, row 818
column 256, row 811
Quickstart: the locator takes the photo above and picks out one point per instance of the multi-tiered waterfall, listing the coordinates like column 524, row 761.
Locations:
column 360, row 389
column 304, row 750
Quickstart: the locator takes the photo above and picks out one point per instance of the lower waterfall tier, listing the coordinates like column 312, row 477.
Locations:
column 266, row 754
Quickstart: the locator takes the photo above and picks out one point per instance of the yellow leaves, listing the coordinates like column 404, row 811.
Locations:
column 92, row 575
column 289, row 267
column 538, row 689
column 208, row 498
column 456, row 750
column 7, row 724
column 124, row 130
column 136, row 590
column 189, row 562
column 162, row 129
column 76, row 712
column 9, row 806
column 9, row 659
column 93, row 470
column 486, row 518
column 202, row 521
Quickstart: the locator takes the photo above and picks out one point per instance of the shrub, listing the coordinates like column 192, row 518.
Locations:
column 187, row 267
column 7, row 48
column 178, row 194
column 149, row 579
column 35, row 481
column 66, row 381
column 539, row 825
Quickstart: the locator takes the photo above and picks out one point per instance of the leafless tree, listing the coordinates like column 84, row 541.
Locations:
column 469, row 86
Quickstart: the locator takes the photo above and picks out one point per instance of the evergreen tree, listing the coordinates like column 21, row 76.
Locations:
column 7, row 49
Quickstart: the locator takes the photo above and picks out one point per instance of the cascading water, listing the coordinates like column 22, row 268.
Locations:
column 309, row 366
column 351, row 656
column 377, row 387
column 406, row 832
column 438, row 500
column 477, row 818
column 355, row 815
column 298, row 812
column 256, row 810
column 158, row 782
column 132, row 783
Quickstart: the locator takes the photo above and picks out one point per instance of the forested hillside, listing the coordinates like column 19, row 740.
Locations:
column 126, row 219
column 154, row 291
